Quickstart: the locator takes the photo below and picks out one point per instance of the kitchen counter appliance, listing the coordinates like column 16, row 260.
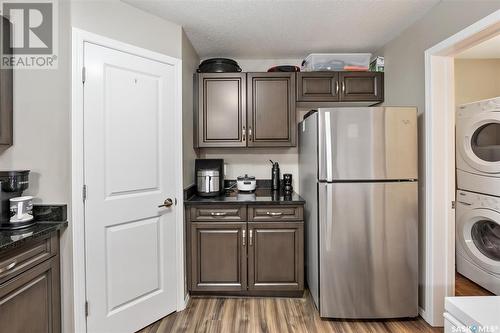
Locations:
column 275, row 176
column 12, row 185
column 358, row 174
column 209, row 177
column 246, row 183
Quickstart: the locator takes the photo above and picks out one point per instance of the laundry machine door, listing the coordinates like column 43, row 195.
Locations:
column 479, row 143
column 478, row 230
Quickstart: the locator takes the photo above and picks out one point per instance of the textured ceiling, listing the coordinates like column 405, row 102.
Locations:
column 489, row 49
column 273, row 29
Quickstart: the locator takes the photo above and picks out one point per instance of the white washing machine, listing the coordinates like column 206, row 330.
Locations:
column 478, row 146
column 478, row 239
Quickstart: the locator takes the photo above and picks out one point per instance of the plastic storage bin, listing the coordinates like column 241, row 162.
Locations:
column 336, row 62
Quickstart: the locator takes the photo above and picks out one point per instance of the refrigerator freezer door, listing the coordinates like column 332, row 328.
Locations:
column 368, row 235
column 367, row 143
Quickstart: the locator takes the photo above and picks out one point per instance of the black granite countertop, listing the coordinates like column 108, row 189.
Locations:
column 259, row 197
column 13, row 238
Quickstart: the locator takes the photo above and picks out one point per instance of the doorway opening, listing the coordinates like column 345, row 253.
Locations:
column 440, row 165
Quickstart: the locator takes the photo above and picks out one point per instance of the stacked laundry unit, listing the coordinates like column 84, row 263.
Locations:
column 478, row 194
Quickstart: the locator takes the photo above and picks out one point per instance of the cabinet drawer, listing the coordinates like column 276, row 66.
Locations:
column 218, row 213
column 18, row 260
column 276, row 213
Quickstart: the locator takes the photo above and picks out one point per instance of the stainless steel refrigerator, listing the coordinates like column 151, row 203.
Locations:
column 358, row 175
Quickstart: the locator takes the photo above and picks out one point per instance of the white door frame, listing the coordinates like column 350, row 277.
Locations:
column 439, row 131
column 79, row 37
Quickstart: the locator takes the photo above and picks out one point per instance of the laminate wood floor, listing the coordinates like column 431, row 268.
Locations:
column 270, row 315
column 284, row 315
column 465, row 287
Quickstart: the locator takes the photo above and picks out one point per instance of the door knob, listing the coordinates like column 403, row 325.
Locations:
column 167, row 203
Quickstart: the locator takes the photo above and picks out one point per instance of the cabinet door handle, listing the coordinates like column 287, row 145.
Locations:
column 343, row 87
column 218, row 213
column 243, row 237
column 8, row 267
column 249, row 134
column 336, row 87
column 274, row 213
column 244, row 131
column 251, row 237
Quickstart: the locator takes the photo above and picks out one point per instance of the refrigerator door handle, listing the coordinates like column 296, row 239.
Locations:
column 328, row 147
column 329, row 217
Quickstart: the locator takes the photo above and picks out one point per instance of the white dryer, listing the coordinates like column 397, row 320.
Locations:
column 478, row 146
column 478, row 239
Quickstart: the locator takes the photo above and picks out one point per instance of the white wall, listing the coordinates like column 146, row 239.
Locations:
column 405, row 72
column 42, row 100
column 42, row 104
column 120, row 21
column 190, row 61
column 476, row 79
column 255, row 161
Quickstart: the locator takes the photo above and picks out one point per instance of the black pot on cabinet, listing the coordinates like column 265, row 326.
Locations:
column 218, row 65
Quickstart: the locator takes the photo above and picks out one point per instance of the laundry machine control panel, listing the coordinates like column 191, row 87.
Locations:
column 478, row 200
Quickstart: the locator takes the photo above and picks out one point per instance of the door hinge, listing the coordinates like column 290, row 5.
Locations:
column 83, row 74
column 84, row 192
column 453, row 204
column 86, row 308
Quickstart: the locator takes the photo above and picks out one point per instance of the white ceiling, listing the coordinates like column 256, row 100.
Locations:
column 287, row 29
column 489, row 49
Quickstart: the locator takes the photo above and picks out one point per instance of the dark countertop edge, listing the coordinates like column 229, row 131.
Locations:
column 221, row 200
column 43, row 228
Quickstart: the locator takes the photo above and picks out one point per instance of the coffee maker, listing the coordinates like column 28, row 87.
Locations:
column 209, row 177
column 12, row 184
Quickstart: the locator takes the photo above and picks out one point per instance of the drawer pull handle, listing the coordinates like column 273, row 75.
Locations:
column 8, row 267
column 274, row 213
column 218, row 214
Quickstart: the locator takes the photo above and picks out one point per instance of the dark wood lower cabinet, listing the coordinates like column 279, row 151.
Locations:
column 275, row 260
column 247, row 258
column 30, row 301
column 219, row 259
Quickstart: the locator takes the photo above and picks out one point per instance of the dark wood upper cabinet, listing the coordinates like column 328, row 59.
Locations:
column 271, row 109
column 6, row 105
column 275, row 256
column 318, row 86
column 221, row 108
column 361, row 86
column 218, row 256
column 323, row 89
column 259, row 109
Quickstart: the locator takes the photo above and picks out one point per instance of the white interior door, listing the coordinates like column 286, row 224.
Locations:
column 129, row 172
